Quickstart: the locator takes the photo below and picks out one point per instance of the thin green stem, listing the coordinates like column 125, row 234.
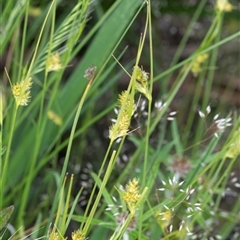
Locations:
column 6, row 159
column 83, row 227
column 1, row 148
column 146, row 151
column 69, row 147
column 104, row 182
column 66, row 206
column 23, row 41
column 39, row 40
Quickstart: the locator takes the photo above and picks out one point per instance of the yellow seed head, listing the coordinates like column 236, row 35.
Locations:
column 127, row 107
column 141, row 75
column 35, row 11
column 54, row 117
column 234, row 148
column 224, row 5
column 54, row 62
column 142, row 84
column 164, row 218
column 54, row 236
column 21, row 92
column 196, row 67
column 201, row 58
column 78, row 235
column 131, row 194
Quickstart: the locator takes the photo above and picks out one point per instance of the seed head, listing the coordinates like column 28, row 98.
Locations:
column 54, row 62
column 90, row 72
column 78, row 235
column 234, row 148
column 131, row 194
column 141, row 75
column 164, row 217
column 54, row 117
column 121, row 125
column 142, row 84
column 224, row 5
column 21, row 92
column 196, row 67
column 55, row 236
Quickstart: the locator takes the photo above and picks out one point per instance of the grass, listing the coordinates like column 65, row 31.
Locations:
column 67, row 171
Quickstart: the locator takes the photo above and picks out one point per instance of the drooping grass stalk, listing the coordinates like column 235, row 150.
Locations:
column 124, row 109
column 66, row 160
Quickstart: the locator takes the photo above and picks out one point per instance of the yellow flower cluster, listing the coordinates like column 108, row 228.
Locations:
column 224, row 5
column 131, row 194
column 78, row 235
column 234, row 148
column 55, row 236
column 21, row 92
column 54, row 117
column 54, row 62
column 127, row 107
column 164, row 218
column 142, row 83
column 196, row 67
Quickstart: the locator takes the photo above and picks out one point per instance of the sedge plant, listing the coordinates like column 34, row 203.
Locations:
column 175, row 179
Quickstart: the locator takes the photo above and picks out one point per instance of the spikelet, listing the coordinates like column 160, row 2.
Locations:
column 196, row 67
column 127, row 107
column 21, row 92
column 78, row 235
column 234, row 148
column 54, row 236
column 164, row 218
column 54, row 117
column 142, row 83
column 224, row 5
column 131, row 194
column 54, row 62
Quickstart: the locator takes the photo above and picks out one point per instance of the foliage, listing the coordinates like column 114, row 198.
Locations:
column 146, row 175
